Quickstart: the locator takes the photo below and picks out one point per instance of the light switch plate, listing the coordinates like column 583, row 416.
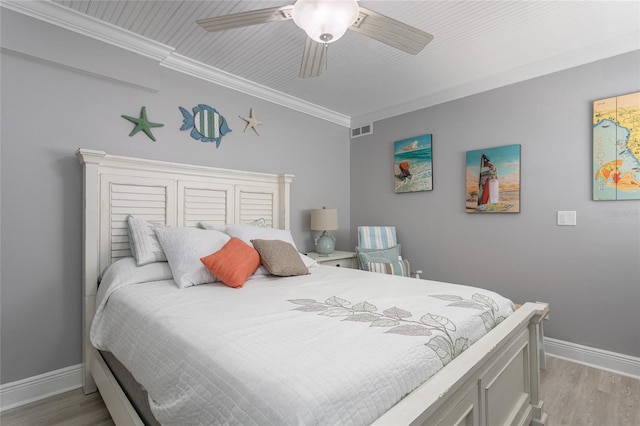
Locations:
column 566, row 218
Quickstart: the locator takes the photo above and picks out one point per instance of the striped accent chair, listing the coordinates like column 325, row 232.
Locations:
column 371, row 238
column 377, row 237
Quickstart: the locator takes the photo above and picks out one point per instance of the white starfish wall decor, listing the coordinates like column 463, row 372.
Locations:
column 252, row 122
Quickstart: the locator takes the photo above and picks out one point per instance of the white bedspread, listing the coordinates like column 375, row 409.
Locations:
column 335, row 347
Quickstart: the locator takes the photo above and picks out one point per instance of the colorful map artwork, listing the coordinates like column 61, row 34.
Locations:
column 616, row 148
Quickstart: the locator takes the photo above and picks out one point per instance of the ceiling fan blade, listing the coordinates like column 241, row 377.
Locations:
column 312, row 59
column 246, row 19
column 389, row 31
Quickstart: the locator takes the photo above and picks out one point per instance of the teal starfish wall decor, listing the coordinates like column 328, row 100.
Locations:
column 142, row 123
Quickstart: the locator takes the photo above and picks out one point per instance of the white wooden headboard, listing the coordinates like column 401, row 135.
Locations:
column 167, row 193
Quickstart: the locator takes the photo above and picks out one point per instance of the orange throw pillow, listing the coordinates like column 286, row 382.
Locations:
column 233, row 263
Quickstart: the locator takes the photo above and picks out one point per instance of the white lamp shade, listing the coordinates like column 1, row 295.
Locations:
column 324, row 220
column 325, row 21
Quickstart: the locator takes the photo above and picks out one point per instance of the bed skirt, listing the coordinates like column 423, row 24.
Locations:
column 135, row 391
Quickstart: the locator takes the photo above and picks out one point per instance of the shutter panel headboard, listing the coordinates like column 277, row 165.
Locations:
column 172, row 194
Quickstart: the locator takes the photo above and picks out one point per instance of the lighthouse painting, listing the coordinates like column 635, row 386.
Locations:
column 493, row 180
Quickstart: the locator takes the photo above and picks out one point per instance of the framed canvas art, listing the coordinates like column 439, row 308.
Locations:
column 493, row 180
column 616, row 148
column 413, row 168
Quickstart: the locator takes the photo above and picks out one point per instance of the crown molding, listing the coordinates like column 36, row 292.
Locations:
column 166, row 56
column 71, row 20
column 205, row 72
column 601, row 50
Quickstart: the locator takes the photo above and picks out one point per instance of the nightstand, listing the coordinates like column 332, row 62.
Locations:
column 342, row 259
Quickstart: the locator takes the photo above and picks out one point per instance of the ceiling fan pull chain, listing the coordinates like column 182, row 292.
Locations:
column 326, row 57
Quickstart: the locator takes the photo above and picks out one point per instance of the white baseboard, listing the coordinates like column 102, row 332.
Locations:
column 624, row 365
column 35, row 388
column 55, row 382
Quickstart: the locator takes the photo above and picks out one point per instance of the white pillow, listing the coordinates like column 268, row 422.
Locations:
column 184, row 247
column 125, row 270
column 145, row 247
column 250, row 232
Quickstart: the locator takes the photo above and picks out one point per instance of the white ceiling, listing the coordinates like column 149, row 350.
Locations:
column 477, row 46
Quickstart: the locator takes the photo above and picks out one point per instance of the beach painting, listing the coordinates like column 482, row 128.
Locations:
column 493, row 180
column 413, row 168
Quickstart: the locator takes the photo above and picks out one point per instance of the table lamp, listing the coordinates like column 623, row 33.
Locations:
column 324, row 220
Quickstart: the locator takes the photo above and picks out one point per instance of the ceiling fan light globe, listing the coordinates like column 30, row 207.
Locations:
column 325, row 21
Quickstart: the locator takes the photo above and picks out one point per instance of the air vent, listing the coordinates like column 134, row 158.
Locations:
column 367, row 129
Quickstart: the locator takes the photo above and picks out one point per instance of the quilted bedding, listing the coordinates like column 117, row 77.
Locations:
column 337, row 346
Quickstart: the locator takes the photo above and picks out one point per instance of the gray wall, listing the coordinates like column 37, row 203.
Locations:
column 590, row 273
column 61, row 91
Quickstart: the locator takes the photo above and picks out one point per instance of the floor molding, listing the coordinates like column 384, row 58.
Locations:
column 55, row 382
column 39, row 387
column 624, row 365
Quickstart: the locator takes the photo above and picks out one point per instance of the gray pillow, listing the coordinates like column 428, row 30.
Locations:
column 280, row 258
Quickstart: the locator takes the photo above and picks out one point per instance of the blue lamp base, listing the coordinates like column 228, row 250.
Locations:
column 325, row 244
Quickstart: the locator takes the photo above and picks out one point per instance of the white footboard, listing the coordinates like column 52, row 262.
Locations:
column 494, row 382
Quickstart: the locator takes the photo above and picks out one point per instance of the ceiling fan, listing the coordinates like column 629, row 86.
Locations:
column 325, row 21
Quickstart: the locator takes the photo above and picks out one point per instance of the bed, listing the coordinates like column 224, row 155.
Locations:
column 493, row 379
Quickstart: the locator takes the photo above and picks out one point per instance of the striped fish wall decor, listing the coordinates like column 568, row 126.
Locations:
column 206, row 124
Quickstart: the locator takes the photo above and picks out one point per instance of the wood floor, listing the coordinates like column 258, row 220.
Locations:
column 577, row 395
column 69, row 409
column 573, row 394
